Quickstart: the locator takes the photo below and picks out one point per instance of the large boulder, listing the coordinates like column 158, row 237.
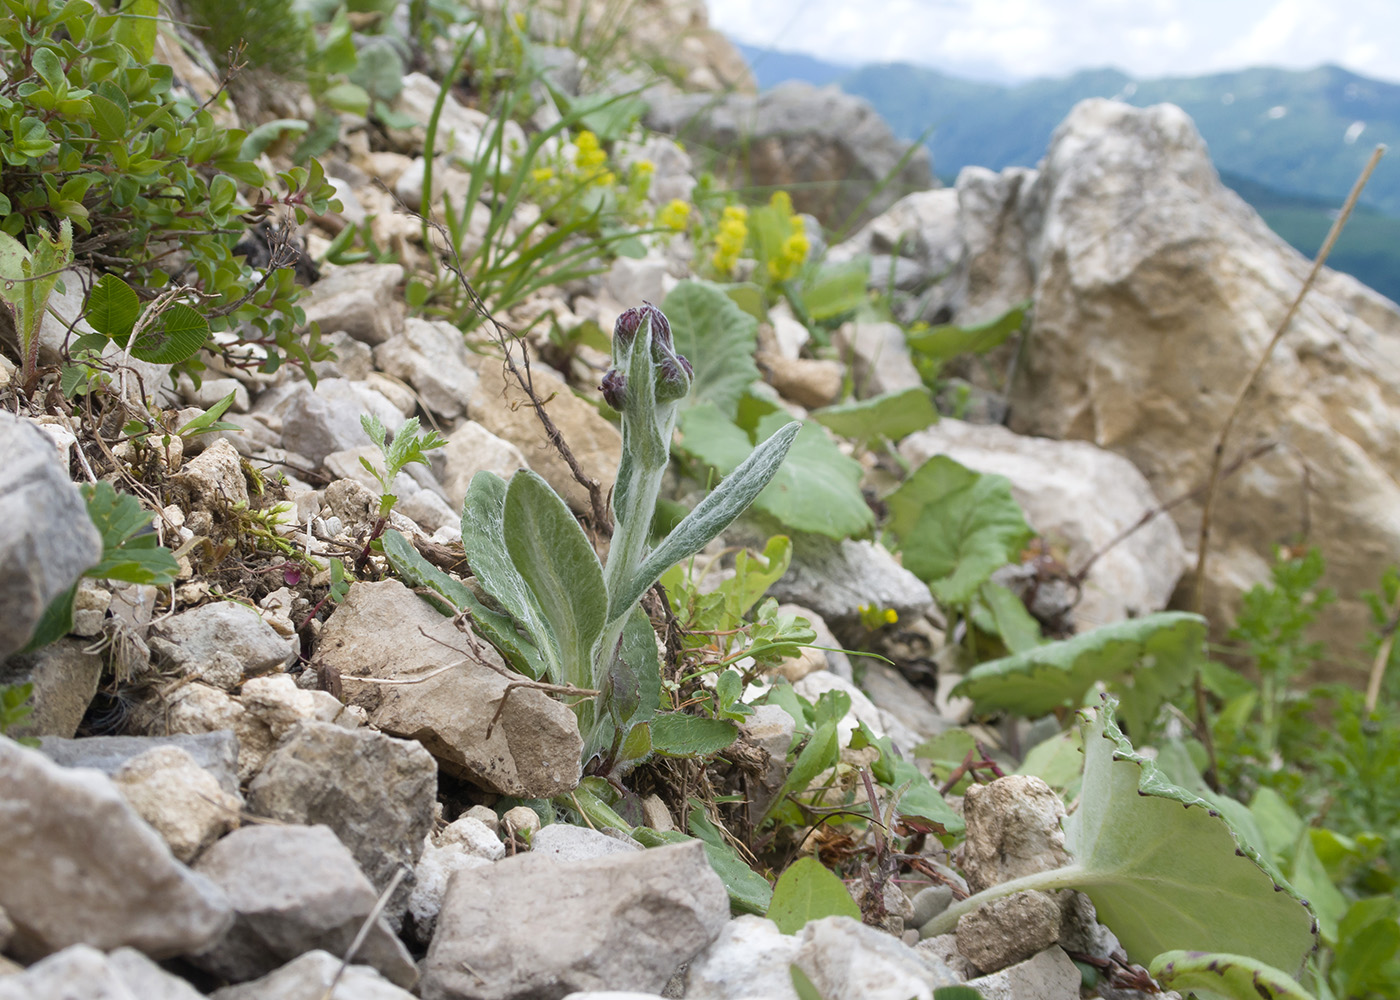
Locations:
column 830, row 150
column 1156, row 291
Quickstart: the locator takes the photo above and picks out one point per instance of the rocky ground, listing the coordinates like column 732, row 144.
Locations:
column 292, row 780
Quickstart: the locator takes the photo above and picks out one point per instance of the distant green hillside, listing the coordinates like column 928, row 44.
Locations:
column 1282, row 128
column 1278, row 137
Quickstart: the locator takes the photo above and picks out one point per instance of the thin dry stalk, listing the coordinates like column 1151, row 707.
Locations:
column 1373, row 685
column 364, row 930
column 506, row 339
column 1218, row 456
column 1198, row 588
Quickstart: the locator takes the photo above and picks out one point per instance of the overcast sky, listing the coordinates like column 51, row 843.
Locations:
column 1011, row 40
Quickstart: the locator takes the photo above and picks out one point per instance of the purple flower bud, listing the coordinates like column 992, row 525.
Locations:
column 629, row 324
column 673, row 377
column 614, row 388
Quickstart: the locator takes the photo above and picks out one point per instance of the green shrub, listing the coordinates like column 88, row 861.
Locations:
column 92, row 131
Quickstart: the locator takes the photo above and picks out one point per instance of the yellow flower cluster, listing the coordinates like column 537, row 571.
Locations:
column 590, row 157
column 675, row 215
column 793, row 253
column 729, row 241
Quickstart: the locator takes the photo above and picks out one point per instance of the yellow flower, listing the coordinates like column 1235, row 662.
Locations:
column 781, row 201
column 541, row 174
column 891, row 616
column 644, row 168
column 675, row 215
column 730, row 239
column 589, row 155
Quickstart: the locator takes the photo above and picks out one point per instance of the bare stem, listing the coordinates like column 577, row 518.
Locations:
column 1218, row 456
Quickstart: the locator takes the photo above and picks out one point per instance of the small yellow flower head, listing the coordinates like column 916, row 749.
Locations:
column 644, row 168
column 589, row 155
column 729, row 240
column 891, row 616
column 674, row 216
column 605, row 179
column 541, row 174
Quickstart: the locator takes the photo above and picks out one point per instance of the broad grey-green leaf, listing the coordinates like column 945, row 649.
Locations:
column 497, row 628
column 176, row 337
column 717, row 338
column 955, row 527
column 818, row 488
column 1017, row 627
column 717, row 511
column 948, row 340
column 892, row 415
column 806, row 892
column 553, row 557
column 1163, row 870
column 1142, row 660
column 483, row 538
column 676, row 734
column 1236, row 976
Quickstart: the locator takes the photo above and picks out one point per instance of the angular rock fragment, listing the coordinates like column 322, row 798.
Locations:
column 378, row 631
column 79, row 866
column 621, row 922
column 294, row 889
column 374, row 791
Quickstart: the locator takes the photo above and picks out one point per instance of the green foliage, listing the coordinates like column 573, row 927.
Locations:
column 129, row 550
column 129, row 554
column 807, row 891
column 1162, row 877
column 892, row 415
column 409, row 446
column 15, row 709
column 577, row 620
column 94, row 136
column 1142, row 661
column 947, row 341
column 1235, row 976
column 818, row 488
column 955, row 527
column 718, row 338
column 27, row 279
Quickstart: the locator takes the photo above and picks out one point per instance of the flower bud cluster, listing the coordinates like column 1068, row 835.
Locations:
column 673, row 373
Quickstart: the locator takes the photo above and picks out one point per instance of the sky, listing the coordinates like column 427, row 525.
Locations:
column 1014, row 40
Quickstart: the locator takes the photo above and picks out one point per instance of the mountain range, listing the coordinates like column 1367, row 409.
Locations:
column 1290, row 142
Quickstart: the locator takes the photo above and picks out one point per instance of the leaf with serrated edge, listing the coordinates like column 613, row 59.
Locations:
column 1234, row 976
column 1163, row 869
column 955, row 527
column 553, row 557
column 710, row 516
column 1143, row 660
column 807, row 891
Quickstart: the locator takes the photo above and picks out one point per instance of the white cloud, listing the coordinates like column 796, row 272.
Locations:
column 1020, row 39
